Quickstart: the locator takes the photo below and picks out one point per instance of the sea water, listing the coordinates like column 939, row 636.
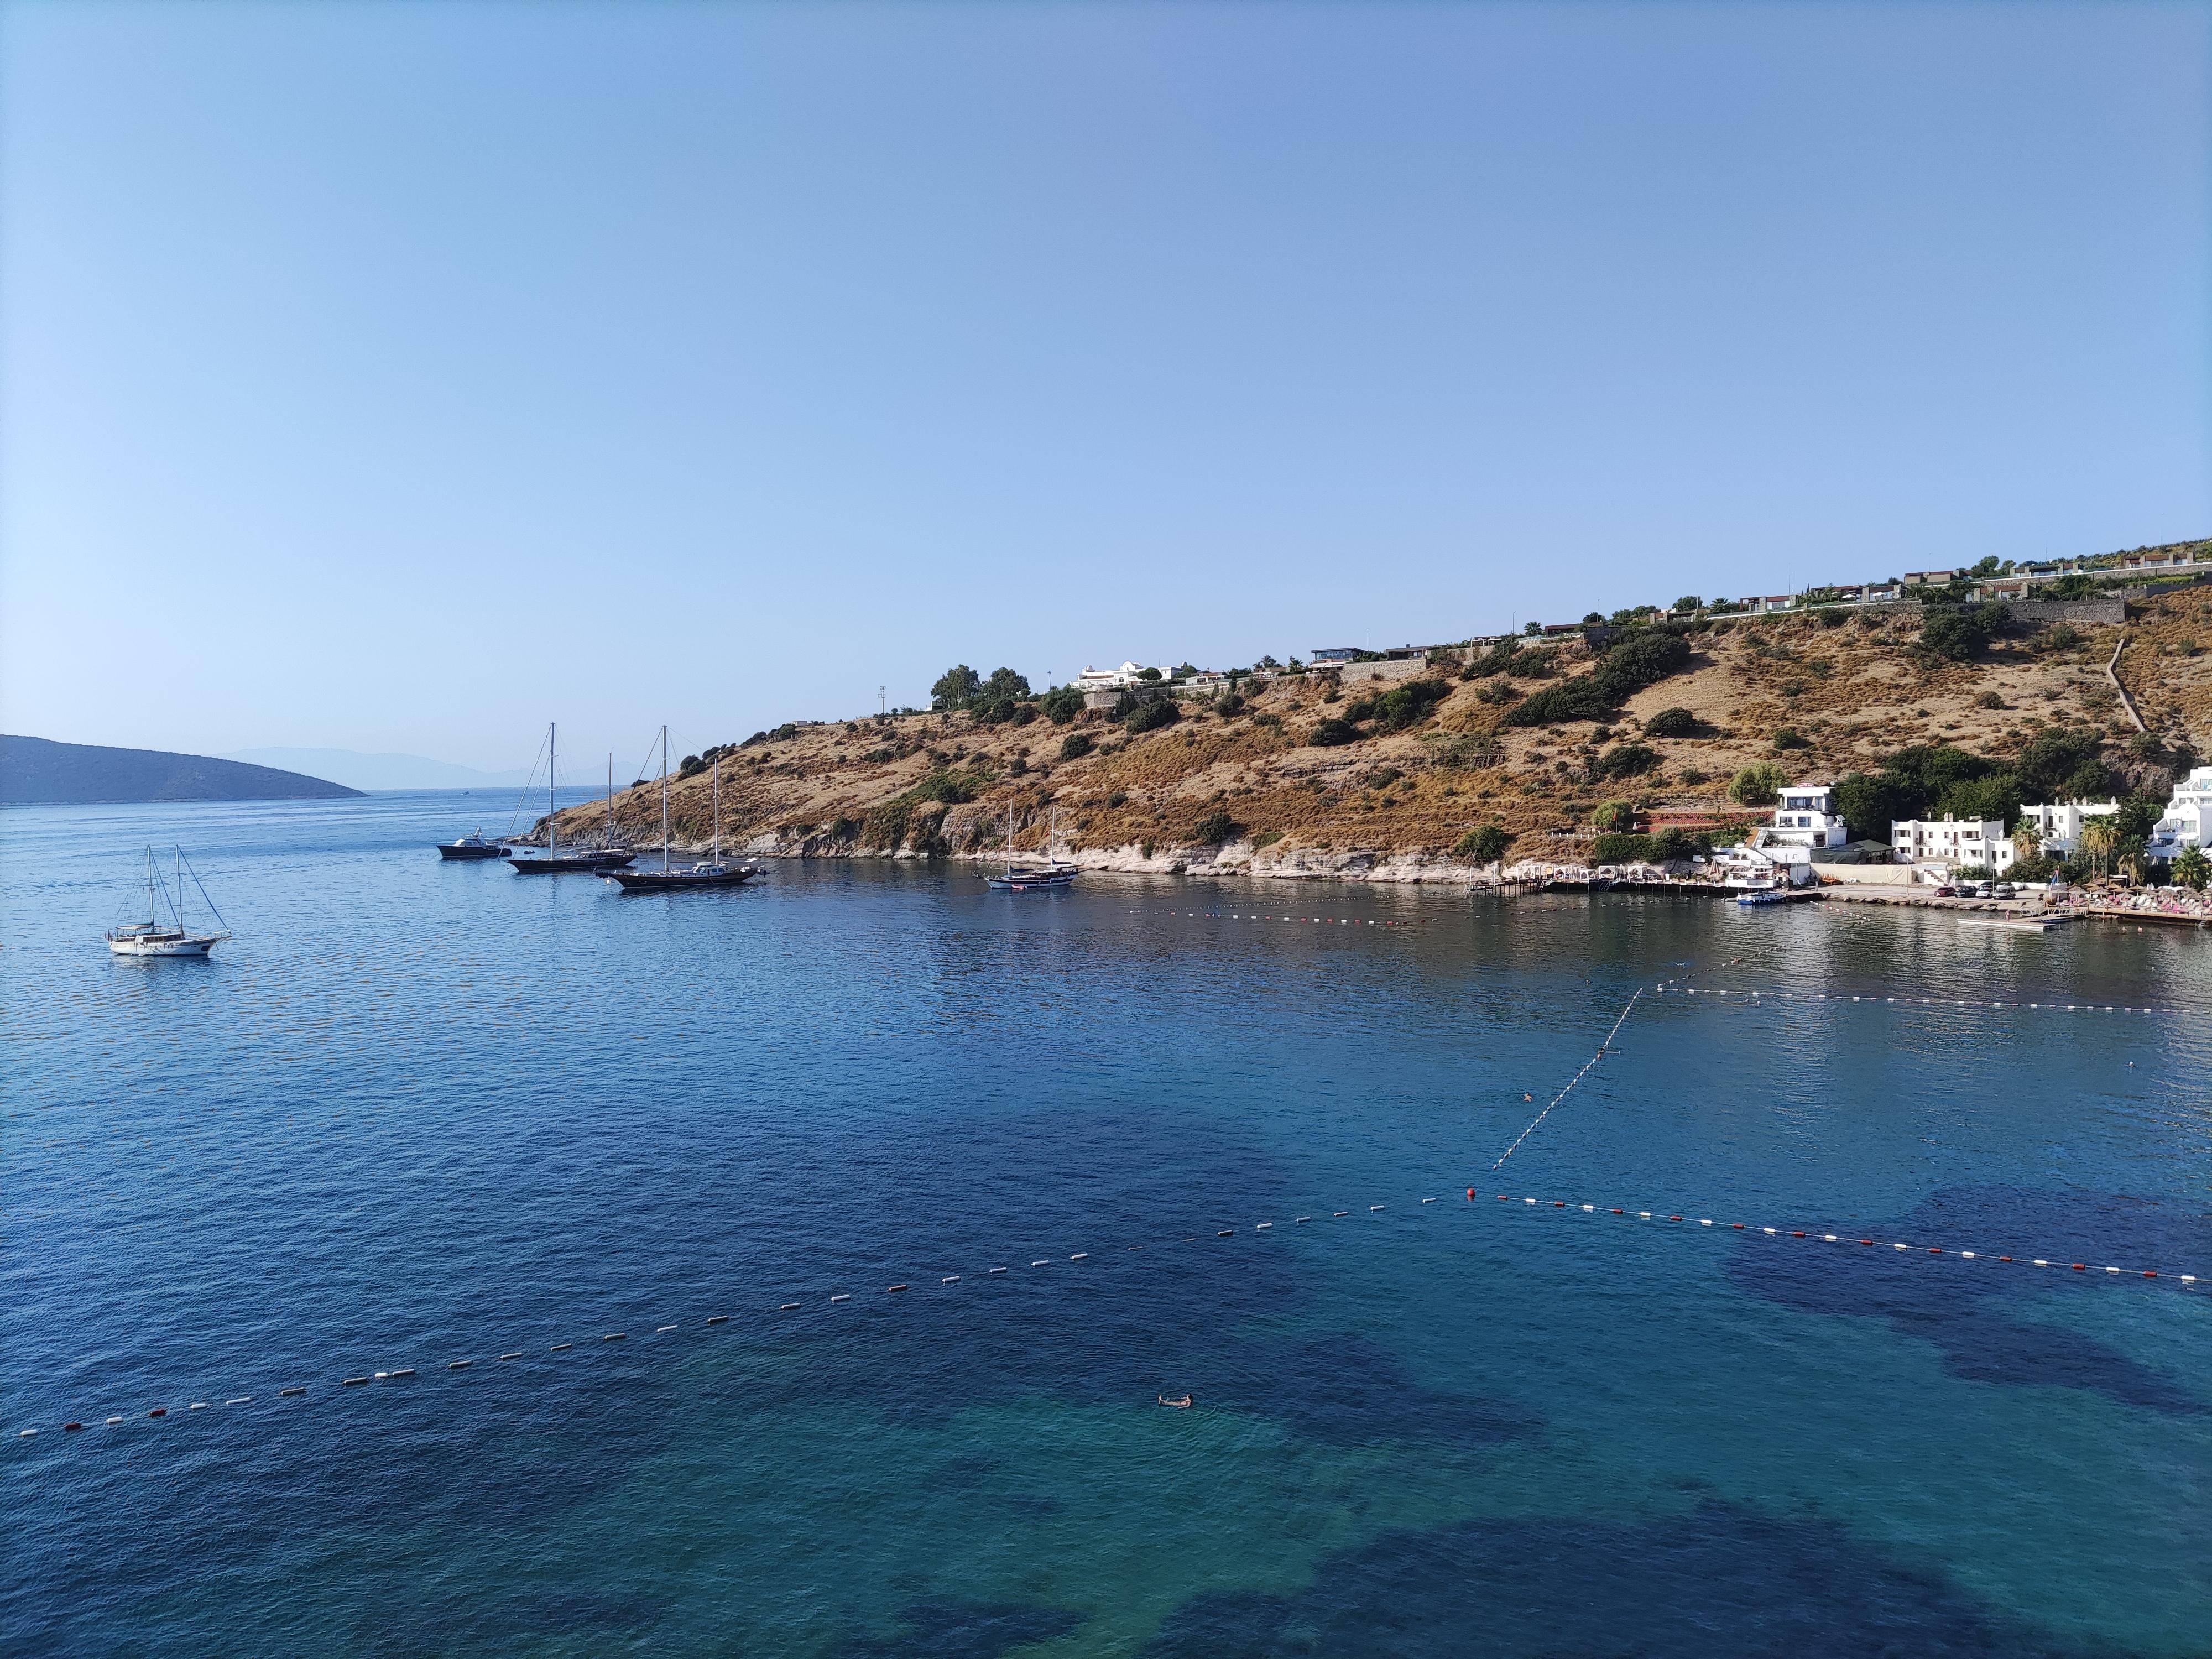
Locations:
column 417, row 1113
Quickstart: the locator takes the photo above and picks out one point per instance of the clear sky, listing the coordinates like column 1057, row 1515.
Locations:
column 402, row 376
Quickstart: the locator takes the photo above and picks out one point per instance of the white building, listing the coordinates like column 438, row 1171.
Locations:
column 1804, row 819
column 2188, row 815
column 1959, row 844
column 2058, row 828
column 1109, row 679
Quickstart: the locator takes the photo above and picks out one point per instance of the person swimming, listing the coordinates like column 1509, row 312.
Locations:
column 1182, row 1405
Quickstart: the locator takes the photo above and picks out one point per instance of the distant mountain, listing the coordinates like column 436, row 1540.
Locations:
column 36, row 773
column 360, row 771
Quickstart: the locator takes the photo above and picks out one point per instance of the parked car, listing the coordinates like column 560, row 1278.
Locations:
column 1946, row 892
column 2006, row 890
column 1987, row 890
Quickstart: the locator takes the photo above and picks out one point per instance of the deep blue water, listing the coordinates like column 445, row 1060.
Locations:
column 416, row 1113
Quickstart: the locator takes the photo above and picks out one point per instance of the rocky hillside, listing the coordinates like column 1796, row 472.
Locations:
column 1385, row 769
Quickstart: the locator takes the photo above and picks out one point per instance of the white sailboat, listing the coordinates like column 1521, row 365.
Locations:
column 154, row 937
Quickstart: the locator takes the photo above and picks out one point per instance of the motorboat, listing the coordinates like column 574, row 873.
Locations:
column 471, row 845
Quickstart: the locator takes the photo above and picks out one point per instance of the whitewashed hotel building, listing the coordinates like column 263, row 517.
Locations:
column 1953, row 843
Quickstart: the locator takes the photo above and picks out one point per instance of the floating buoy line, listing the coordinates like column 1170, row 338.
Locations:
column 1888, row 1249
column 918, row 1292
column 1249, row 915
column 1911, row 1001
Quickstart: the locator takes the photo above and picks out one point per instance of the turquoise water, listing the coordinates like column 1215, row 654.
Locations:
column 418, row 1112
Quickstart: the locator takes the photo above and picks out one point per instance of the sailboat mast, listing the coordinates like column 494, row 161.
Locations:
column 552, row 824
column 611, row 800
column 718, row 811
column 664, row 797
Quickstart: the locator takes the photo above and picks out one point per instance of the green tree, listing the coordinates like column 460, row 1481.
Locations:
column 1869, row 803
column 1151, row 716
column 2072, row 586
column 955, row 687
column 1954, row 633
column 1758, row 784
column 1987, row 566
column 1328, row 733
column 1690, row 602
column 2191, row 868
column 1992, row 795
column 1620, row 847
column 1005, row 685
column 1614, row 815
column 2139, row 815
column 2050, row 759
column 1486, row 843
column 1062, row 704
column 1671, row 723
column 1075, row 746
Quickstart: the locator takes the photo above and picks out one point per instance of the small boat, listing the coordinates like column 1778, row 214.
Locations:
column 154, row 938
column 587, row 861
column 1762, row 896
column 713, row 873
column 471, row 845
column 1033, row 877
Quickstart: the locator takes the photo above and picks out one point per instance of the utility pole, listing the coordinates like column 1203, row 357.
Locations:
column 881, row 706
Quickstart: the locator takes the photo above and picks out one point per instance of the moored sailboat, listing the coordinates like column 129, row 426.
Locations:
column 1023, row 877
column 589, row 860
column 153, row 937
column 713, row 873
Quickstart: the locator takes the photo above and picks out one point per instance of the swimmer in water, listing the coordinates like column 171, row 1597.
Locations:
column 1182, row 1405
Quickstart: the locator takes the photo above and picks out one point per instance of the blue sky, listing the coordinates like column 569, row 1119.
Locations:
column 400, row 377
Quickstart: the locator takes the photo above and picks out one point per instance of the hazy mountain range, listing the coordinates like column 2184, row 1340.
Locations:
column 35, row 772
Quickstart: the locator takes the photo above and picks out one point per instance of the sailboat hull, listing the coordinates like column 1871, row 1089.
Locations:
column 461, row 849
column 657, row 881
column 570, row 864
column 158, row 944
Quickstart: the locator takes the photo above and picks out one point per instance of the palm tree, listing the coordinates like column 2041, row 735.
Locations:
column 2129, row 855
column 2191, row 868
column 2099, row 838
column 2027, row 842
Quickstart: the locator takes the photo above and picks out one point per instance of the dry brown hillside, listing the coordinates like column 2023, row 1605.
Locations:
column 1852, row 688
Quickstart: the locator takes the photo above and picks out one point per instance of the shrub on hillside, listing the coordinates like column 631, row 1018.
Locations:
column 1671, row 723
column 1408, row 704
column 1151, row 716
column 1787, row 739
column 1486, row 843
column 1640, row 661
column 1075, row 746
column 1626, row 760
column 1614, row 815
column 1062, row 704
column 1214, row 828
column 1329, row 733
